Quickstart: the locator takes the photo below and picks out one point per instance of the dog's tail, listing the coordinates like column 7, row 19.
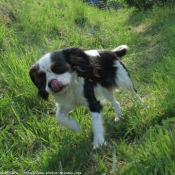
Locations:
column 121, row 50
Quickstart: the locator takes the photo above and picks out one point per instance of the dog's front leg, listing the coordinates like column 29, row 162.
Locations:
column 97, row 126
column 62, row 118
column 95, row 111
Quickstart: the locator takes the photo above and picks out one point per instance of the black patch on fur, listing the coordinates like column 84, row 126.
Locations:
column 106, row 69
column 95, row 69
column 39, row 80
column 94, row 105
column 79, row 62
column 59, row 63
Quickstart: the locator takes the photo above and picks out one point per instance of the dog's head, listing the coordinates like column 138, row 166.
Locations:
column 53, row 72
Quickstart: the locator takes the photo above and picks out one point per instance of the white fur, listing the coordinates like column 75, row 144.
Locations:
column 98, row 129
column 92, row 53
column 108, row 95
column 121, row 47
column 70, row 123
column 64, row 79
column 123, row 80
column 73, row 96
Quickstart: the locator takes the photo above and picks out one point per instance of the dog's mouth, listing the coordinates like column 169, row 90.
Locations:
column 56, row 86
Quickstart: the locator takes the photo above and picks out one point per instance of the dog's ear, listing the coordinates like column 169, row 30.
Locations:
column 39, row 80
column 79, row 61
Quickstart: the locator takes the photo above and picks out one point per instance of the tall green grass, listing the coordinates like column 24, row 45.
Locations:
column 31, row 140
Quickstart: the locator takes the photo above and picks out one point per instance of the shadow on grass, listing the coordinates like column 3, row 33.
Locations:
column 71, row 156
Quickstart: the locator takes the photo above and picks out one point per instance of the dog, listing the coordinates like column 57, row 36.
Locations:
column 76, row 77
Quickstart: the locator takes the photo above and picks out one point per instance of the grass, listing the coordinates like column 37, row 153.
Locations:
column 31, row 140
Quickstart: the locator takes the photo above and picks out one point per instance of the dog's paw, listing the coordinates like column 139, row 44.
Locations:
column 76, row 129
column 99, row 142
column 118, row 117
column 73, row 125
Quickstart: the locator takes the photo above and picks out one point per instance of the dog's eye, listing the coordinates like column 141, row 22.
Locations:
column 58, row 69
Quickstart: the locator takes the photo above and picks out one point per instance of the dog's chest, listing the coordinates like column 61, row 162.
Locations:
column 72, row 97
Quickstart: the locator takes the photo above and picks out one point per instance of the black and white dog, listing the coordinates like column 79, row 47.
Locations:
column 76, row 77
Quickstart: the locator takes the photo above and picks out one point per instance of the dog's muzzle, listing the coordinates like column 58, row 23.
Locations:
column 55, row 85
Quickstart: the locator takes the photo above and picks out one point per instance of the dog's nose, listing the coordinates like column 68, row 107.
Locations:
column 49, row 84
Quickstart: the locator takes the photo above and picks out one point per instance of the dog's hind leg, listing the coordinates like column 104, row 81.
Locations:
column 136, row 95
column 123, row 79
column 116, row 105
column 110, row 97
